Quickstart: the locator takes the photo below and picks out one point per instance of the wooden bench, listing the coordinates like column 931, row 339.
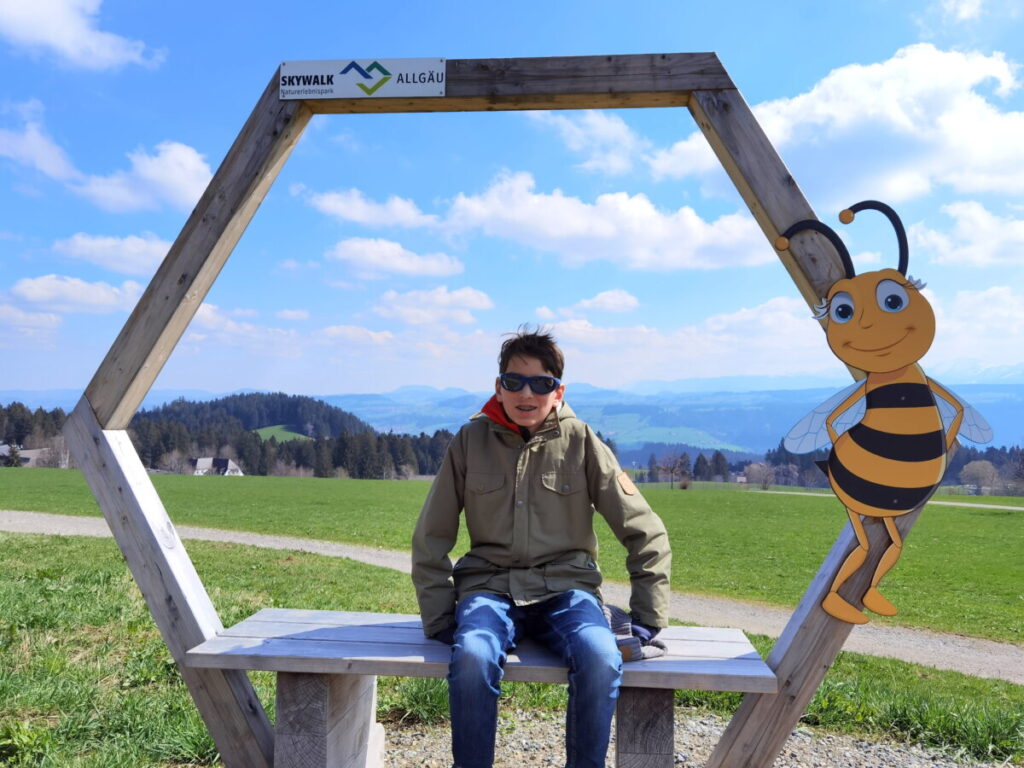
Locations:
column 327, row 664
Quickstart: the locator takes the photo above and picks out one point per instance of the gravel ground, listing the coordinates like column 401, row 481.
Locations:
column 530, row 741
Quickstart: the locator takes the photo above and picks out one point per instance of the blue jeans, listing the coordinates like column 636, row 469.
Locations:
column 570, row 624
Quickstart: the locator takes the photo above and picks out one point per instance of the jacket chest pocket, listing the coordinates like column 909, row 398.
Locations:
column 486, row 505
column 565, row 484
column 483, row 482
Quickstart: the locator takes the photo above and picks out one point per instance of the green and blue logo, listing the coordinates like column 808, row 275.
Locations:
column 369, row 90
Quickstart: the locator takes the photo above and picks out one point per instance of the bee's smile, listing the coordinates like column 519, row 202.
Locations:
column 878, row 349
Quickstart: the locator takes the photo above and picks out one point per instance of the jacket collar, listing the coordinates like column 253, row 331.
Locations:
column 494, row 411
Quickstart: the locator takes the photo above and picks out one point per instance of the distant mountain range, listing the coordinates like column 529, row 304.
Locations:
column 737, row 422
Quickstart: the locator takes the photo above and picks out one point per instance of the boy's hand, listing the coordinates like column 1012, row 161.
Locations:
column 446, row 636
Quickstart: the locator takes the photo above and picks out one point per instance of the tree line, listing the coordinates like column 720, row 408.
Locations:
column 334, row 443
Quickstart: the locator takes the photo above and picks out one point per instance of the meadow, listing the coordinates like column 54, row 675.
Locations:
column 961, row 570
column 86, row 681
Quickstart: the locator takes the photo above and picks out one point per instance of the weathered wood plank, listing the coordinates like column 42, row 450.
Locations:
column 327, row 721
column 767, row 187
column 568, row 82
column 806, row 649
column 411, row 637
column 170, row 585
column 194, row 261
column 529, row 662
column 644, row 728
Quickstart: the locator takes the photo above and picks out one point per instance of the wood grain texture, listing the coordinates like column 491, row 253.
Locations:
column 767, row 187
column 333, row 642
column 800, row 658
column 196, row 258
column 170, row 585
column 327, row 721
column 644, row 731
column 567, row 82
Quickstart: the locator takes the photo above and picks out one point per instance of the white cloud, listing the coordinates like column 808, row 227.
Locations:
column 689, row 156
column 33, row 329
column 177, row 175
column 618, row 227
column 69, row 29
column 975, row 331
column 614, row 300
column 353, row 205
column 131, row 255
column 12, row 317
column 434, row 306
column 59, row 293
column 962, row 10
column 30, row 144
column 215, row 326
column 978, row 237
column 374, row 258
column 610, row 145
column 293, row 314
column 895, row 129
column 776, row 338
column 355, row 333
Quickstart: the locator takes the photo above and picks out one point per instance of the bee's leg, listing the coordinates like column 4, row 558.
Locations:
column 833, row 604
column 873, row 599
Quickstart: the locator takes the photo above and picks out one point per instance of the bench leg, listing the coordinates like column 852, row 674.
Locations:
column 327, row 721
column 644, row 728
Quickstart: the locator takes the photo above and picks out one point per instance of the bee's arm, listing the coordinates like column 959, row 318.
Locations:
column 852, row 398
column 954, row 426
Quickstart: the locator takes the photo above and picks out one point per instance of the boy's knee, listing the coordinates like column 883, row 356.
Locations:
column 476, row 649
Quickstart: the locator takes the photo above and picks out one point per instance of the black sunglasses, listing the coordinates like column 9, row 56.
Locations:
column 541, row 385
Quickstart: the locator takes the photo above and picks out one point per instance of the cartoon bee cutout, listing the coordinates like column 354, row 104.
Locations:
column 891, row 432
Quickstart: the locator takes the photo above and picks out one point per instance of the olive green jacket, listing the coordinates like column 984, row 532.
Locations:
column 529, row 509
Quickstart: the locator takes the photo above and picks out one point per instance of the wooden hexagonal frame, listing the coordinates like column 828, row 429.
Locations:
column 96, row 430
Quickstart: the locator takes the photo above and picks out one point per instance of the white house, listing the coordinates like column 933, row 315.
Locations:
column 215, row 466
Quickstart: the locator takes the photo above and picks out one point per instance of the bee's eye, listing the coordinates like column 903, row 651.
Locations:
column 840, row 308
column 891, row 296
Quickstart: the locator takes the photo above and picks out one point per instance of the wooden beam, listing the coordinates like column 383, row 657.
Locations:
column 802, row 655
column 567, row 82
column 327, row 721
column 170, row 585
column 645, row 728
column 194, row 261
column 767, row 187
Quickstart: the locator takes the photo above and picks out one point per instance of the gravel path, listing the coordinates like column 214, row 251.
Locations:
column 526, row 740
column 534, row 740
column 972, row 656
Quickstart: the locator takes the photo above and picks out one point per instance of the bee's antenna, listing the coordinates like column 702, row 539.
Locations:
column 901, row 234
column 782, row 241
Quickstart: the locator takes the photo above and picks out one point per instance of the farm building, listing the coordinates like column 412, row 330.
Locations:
column 215, row 466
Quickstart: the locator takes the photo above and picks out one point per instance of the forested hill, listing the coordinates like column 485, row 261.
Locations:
column 304, row 415
column 335, row 442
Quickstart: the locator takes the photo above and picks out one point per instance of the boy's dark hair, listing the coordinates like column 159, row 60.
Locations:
column 539, row 344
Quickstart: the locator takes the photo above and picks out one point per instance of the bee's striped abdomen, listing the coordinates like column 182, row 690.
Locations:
column 892, row 460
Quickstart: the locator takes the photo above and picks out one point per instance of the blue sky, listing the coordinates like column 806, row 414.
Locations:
column 397, row 249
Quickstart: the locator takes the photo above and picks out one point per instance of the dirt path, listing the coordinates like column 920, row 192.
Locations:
column 972, row 656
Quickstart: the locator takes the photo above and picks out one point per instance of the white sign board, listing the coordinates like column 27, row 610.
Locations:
column 362, row 79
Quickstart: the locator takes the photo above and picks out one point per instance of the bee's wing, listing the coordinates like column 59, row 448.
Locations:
column 973, row 427
column 810, row 433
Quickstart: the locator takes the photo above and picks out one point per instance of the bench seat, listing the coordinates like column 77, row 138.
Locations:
column 327, row 660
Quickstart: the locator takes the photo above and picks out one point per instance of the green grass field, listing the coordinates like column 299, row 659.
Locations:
column 281, row 433
column 961, row 570
column 86, row 682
